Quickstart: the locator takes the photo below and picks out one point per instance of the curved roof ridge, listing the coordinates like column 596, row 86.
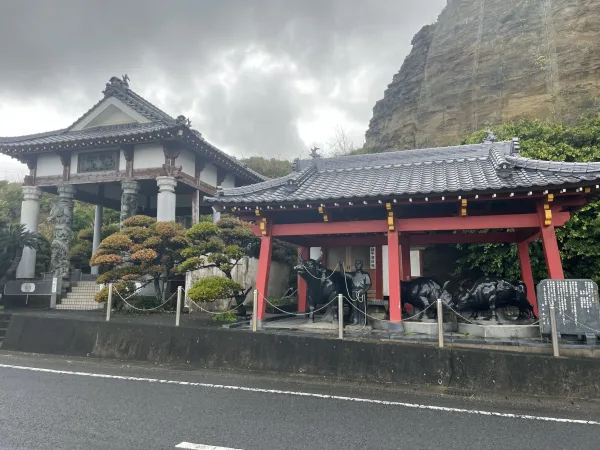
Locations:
column 292, row 179
column 554, row 166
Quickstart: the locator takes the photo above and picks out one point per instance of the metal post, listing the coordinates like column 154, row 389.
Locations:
column 341, row 316
column 440, row 319
column 554, row 332
column 178, row 312
column 109, row 302
column 255, row 311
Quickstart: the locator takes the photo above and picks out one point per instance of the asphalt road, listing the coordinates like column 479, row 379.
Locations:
column 60, row 403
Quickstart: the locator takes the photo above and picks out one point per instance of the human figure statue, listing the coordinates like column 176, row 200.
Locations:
column 361, row 283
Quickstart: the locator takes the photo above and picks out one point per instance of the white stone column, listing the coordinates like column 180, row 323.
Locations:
column 166, row 201
column 216, row 216
column 97, row 235
column 30, row 215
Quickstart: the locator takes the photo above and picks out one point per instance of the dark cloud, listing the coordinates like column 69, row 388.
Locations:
column 178, row 53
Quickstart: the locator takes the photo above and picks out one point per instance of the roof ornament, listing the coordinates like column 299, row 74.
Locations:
column 490, row 138
column 296, row 165
column 314, row 152
column 182, row 120
column 515, row 147
column 116, row 84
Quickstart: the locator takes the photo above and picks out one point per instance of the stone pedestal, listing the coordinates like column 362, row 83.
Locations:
column 129, row 200
column 166, row 201
column 97, row 235
column 427, row 328
column 30, row 215
column 506, row 331
column 61, row 216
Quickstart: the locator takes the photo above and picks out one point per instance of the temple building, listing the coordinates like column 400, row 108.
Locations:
column 125, row 154
column 380, row 207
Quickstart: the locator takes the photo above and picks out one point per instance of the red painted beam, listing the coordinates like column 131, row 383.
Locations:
column 325, row 228
column 262, row 276
column 414, row 225
column 302, row 287
column 527, row 274
column 394, row 277
column 550, row 244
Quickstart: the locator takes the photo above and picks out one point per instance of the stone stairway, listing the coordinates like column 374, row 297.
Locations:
column 4, row 321
column 81, row 297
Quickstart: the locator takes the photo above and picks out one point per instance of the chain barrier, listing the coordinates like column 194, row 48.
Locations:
column 383, row 320
column 579, row 323
column 296, row 314
column 211, row 312
column 134, row 292
column 319, row 278
column 143, row 309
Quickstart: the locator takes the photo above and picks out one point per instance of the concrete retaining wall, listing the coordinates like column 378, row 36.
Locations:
column 470, row 370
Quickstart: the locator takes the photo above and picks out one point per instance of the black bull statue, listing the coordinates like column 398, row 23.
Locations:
column 487, row 294
column 490, row 294
column 323, row 285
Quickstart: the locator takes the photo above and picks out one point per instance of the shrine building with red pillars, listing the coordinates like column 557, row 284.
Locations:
column 410, row 199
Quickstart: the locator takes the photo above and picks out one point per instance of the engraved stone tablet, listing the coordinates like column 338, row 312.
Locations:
column 576, row 303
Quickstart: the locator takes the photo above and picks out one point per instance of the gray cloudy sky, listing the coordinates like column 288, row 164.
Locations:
column 256, row 77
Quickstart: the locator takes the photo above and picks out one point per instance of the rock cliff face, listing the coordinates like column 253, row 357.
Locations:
column 491, row 61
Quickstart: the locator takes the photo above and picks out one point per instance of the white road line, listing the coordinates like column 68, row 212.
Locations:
column 202, row 447
column 304, row 394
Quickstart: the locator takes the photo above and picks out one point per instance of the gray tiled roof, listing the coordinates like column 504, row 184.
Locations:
column 160, row 121
column 65, row 135
column 460, row 169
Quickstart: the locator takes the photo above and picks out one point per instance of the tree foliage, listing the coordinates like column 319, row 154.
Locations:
column 269, row 167
column 144, row 250
column 221, row 245
column 578, row 239
column 14, row 238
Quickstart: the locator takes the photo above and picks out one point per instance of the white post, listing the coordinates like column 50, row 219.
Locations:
column 109, row 302
column 255, row 311
column 97, row 235
column 167, row 200
column 341, row 316
column 554, row 332
column 440, row 318
column 178, row 312
column 30, row 214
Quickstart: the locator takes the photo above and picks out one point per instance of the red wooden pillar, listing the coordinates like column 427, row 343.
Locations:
column 527, row 274
column 405, row 271
column 262, row 276
column 394, row 277
column 551, row 252
column 302, row 289
column 378, row 273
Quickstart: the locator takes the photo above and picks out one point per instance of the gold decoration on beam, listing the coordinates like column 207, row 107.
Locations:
column 587, row 190
column 257, row 212
column 391, row 221
column 263, row 226
column 547, row 214
column 550, row 198
column 323, row 212
column 463, row 207
column 388, row 206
